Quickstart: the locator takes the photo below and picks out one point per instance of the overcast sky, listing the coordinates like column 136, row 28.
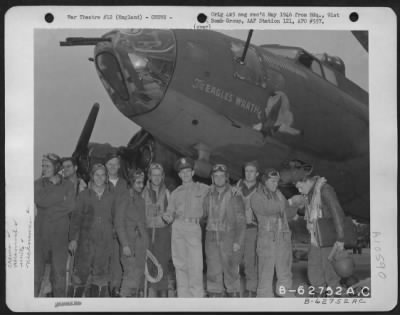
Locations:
column 67, row 85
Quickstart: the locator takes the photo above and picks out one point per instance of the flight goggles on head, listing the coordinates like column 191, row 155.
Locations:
column 135, row 174
column 271, row 173
column 52, row 157
column 156, row 166
column 219, row 168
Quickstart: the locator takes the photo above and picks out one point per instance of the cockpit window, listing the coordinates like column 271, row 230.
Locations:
column 330, row 75
column 310, row 62
column 111, row 71
column 251, row 69
column 290, row 53
column 141, row 63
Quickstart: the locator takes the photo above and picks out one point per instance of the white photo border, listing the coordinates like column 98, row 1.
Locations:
column 20, row 23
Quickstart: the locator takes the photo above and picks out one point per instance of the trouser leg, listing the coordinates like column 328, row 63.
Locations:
column 161, row 249
column 129, row 280
column 40, row 263
column 330, row 276
column 133, row 269
column 195, row 260
column 116, row 267
column 83, row 261
column 140, row 254
column 214, row 266
column 179, row 257
column 315, row 268
column 59, row 256
column 230, row 264
column 284, row 264
column 41, row 253
column 101, row 269
column 266, row 250
column 250, row 259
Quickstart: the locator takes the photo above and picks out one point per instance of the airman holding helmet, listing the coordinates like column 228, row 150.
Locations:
column 156, row 197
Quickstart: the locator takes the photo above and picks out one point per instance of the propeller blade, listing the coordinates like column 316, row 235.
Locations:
column 84, row 138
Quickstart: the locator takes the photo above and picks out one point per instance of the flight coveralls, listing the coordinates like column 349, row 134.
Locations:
column 116, row 268
column 130, row 222
column 226, row 225
column 250, row 239
column 320, row 270
column 274, row 244
column 186, row 207
column 54, row 203
column 159, row 231
column 92, row 228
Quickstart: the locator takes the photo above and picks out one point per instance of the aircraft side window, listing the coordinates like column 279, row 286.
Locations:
column 310, row 62
column 316, row 67
column 330, row 75
column 251, row 69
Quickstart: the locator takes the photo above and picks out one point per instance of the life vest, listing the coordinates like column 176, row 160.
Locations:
column 250, row 217
column 217, row 210
column 314, row 210
column 155, row 205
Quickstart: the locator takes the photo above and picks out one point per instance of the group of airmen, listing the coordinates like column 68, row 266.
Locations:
column 109, row 225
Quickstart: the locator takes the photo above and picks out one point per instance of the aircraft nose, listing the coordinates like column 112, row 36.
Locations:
column 136, row 68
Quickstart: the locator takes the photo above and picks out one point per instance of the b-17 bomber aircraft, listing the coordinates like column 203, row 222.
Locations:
column 219, row 99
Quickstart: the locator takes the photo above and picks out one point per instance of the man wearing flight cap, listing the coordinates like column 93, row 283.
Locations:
column 321, row 202
column 91, row 236
column 274, row 244
column 130, row 224
column 185, row 209
column 225, row 231
column 54, row 200
column 119, row 186
column 246, row 188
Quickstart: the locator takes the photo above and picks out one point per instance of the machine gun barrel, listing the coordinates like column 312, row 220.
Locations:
column 83, row 41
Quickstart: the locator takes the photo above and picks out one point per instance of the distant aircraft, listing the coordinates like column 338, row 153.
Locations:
column 216, row 98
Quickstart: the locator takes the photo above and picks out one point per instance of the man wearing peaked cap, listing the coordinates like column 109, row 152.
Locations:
column 183, row 163
column 185, row 209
